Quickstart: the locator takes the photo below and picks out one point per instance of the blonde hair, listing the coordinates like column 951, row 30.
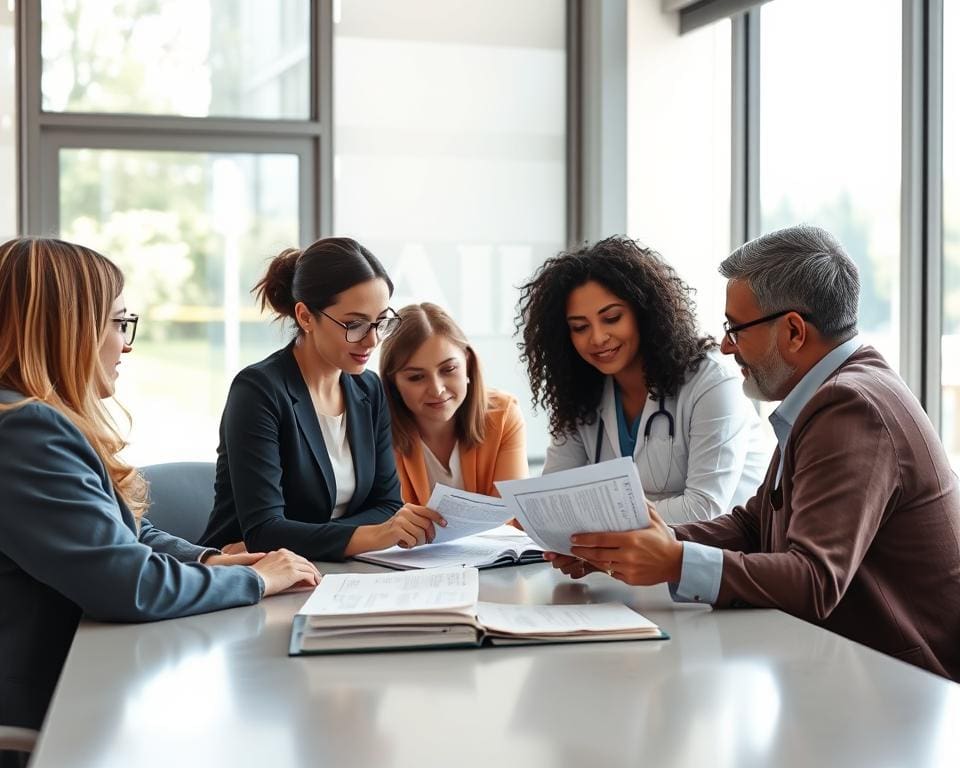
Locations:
column 418, row 323
column 55, row 300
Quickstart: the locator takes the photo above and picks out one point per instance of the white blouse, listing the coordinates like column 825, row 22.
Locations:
column 334, row 429
column 437, row 473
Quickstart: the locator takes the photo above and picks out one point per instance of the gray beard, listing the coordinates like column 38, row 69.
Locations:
column 770, row 381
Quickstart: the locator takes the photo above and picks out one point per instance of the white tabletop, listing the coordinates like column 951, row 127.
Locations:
column 731, row 688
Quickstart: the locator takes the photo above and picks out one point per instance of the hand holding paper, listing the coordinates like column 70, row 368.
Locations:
column 466, row 513
column 594, row 498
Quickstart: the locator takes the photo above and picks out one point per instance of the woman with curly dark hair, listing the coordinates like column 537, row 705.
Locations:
column 613, row 354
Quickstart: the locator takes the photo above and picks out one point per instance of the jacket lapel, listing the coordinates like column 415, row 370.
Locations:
column 361, row 435
column 309, row 423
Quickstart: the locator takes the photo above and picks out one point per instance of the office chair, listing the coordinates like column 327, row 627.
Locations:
column 181, row 497
column 16, row 740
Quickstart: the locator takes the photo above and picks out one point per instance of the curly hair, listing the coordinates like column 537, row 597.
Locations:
column 565, row 384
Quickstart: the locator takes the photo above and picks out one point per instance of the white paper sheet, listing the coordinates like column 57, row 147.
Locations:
column 440, row 589
column 466, row 513
column 560, row 619
column 476, row 551
column 589, row 499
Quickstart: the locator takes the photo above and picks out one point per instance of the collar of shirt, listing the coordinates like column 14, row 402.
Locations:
column 785, row 415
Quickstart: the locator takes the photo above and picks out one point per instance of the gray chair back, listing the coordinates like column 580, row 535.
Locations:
column 16, row 744
column 181, row 497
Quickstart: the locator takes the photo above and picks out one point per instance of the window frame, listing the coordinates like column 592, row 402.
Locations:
column 921, row 213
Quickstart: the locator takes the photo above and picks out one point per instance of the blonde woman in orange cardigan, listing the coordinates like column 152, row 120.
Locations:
column 447, row 427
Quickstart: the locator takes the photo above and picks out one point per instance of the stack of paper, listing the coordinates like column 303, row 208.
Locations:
column 438, row 608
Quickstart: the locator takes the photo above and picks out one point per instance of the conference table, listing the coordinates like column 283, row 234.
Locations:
column 730, row 688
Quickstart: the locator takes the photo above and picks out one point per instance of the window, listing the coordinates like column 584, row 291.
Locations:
column 190, row 232
column 237, row 58
column 449, row 159
column 950, row 346
column 678, row 190
column 134, row 160
column 830, row 103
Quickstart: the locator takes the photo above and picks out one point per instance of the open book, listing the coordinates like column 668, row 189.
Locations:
column 505, row 545
column 439, row 608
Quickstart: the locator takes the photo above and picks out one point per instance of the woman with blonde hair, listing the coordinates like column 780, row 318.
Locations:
column 447, row 426
column 74, row 538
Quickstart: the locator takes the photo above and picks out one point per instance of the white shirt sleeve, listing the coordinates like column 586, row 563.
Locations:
column 566, row 453
column 699, row 574
column 720, row 434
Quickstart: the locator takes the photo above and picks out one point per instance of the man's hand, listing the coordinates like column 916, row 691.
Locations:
column 648, row 556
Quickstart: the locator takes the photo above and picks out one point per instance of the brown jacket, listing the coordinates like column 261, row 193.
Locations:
column 502, row 456
column 863, row 537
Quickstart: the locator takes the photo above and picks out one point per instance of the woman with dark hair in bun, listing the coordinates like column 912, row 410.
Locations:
column 305, row 455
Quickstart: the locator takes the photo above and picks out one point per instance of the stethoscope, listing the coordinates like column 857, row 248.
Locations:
column 671, row 431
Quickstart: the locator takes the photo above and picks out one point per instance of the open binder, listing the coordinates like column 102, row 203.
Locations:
column 438, row 608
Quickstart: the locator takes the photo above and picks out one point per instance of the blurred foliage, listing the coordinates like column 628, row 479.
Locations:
column 852, row 230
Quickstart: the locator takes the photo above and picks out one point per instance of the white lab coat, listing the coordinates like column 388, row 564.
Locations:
column 716, row 459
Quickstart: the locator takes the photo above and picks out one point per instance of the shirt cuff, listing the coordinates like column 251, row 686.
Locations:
column 700, row 573
column 208, row 552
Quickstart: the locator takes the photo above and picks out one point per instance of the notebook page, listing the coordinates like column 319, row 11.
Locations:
column 447, row 589
column 471, row 550
column 513, row 619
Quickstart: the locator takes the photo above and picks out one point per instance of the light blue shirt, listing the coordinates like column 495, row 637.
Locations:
column 702, row 565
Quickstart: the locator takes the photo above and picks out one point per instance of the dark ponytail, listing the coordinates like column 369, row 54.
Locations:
column 275, row 288
column 316, row 275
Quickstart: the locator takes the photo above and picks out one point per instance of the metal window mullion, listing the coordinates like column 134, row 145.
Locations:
column 574, row 105
column 913, row 336
column 745, row 129
column 933, row 191
column 323, row 81
column 29, row 69
column 175, row 124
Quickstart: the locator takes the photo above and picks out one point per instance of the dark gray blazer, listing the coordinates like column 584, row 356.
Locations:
column 69, row 547
column 275, row 485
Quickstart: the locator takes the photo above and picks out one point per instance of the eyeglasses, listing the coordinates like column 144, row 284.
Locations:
column 357, row 330
column 731, row 331
column 128, row 327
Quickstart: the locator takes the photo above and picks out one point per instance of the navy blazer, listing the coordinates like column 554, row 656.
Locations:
column 68, row 547
column 275, row 485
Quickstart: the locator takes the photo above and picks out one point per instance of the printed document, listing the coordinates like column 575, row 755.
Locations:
column 466, row 513
column 589, row 499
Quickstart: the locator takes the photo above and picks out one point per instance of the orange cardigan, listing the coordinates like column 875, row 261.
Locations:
column 502, row 456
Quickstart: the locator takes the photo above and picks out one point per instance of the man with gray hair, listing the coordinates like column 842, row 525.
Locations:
column 857, row 524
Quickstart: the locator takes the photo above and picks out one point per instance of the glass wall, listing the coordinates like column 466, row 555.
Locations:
column 449, row 143
column 678, row 184
column 950, row 348
column 830, row 103
column 191, row 232
column 191, row 228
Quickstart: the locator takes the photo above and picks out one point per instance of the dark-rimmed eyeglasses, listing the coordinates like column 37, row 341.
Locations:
column 128, row 327
column 731, row 331
column 356, row 330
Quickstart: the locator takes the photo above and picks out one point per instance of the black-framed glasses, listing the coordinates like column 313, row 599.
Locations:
column 356, row 330
column 128, row 327
column 731, row 331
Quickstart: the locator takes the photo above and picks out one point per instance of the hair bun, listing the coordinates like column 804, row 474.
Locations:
column 275, row 288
